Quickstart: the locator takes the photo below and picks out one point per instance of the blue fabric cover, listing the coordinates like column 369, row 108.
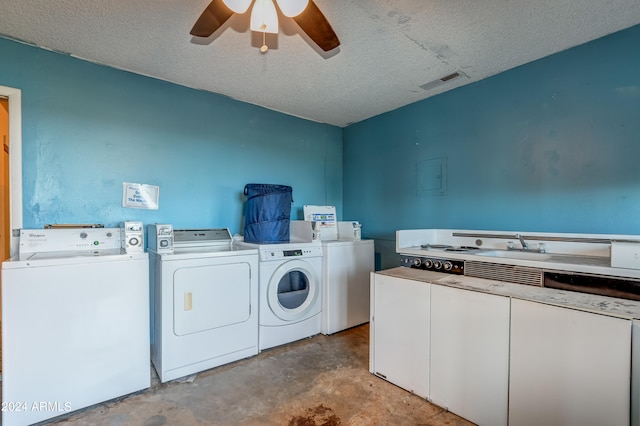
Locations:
column 267, row 213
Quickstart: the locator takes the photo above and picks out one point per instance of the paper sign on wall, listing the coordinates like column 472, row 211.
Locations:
column 140, row 196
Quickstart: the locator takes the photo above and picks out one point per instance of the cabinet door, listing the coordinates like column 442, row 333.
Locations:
column 400, row 333
column 635, row 373
column 469, row 372
column 568, row 367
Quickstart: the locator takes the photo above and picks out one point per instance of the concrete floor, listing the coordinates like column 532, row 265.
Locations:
column 323, row 380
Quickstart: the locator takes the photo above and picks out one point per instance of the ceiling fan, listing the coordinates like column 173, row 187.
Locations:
column 264, row 19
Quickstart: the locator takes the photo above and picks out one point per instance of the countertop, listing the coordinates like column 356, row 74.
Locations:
column 622, row 308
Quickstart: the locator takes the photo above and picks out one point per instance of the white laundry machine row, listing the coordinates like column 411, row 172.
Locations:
column 75, row 323
column 205, row 299
column 290, row 291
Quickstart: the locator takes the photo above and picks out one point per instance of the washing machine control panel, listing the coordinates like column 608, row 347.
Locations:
column 69, row 239
column 289, row 253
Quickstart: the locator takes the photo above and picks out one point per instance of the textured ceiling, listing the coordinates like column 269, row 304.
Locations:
column 390, row 53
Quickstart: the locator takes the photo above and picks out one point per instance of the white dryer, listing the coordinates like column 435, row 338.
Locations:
column 290, row 292
column 205, row 298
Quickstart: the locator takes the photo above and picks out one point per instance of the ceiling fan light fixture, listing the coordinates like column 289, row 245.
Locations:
column 291, row 8
column 264, row 17
column 238, row 6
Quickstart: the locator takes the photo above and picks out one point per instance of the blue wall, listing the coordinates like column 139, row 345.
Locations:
column 551, row 146
column 89, row 128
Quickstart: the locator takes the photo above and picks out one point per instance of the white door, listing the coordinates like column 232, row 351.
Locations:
column 469, row 372
column 568, row 367
column 401, row 332
column 211, row 296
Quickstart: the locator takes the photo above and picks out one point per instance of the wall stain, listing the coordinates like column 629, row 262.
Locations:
column 318, row 416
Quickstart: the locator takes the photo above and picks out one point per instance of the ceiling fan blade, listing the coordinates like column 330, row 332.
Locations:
column 211, row 19
column 313, row 22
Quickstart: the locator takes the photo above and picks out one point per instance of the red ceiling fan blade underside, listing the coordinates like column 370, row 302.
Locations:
column 311, row 21
column 211, row 19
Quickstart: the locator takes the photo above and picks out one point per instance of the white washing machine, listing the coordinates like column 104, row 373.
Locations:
column 205, row 298
column 290, row 292
column 75, row 323
column 346, row 288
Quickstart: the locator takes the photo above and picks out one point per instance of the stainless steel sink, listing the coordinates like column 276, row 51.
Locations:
column 513, row 254
column 546, row 257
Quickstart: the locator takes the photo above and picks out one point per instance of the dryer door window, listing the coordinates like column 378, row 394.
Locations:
column 294, row 289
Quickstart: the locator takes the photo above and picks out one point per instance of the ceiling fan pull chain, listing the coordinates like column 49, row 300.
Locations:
column 264, row 47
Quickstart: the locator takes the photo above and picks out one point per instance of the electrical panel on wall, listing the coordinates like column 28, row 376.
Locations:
column 431, row 176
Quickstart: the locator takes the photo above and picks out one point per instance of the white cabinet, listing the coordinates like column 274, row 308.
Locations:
column 635, row 373
column 469, row 371
column 496, row 360
column 400, row 332
column 568, row 367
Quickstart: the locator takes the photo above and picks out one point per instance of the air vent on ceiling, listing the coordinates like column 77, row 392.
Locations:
column 508, row 273
column 438, row 82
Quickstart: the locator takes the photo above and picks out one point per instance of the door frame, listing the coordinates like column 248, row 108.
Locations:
column 15, row 162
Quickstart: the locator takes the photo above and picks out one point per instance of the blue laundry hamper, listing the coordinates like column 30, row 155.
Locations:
column 267, row 213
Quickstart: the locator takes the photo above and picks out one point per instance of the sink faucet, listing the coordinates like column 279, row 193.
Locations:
column 525, row 245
